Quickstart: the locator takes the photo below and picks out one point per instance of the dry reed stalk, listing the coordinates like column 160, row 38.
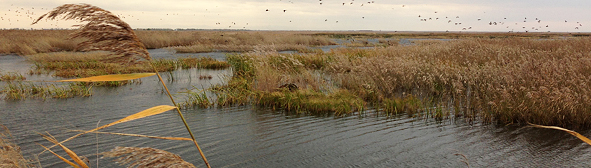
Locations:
column 105, row 31
column 70, row 153
column 137, row 135
column 146, row 157
column 576, row 134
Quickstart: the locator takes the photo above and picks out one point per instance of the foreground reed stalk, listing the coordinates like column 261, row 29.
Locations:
column 105, row 31
column 181, row 115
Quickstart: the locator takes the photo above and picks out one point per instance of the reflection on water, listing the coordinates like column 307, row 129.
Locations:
column 253, row 137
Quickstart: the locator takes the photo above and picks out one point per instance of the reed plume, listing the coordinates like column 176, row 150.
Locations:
column 146, row 157
column 103, row 31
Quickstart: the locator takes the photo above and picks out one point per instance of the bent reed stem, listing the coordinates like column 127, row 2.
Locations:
column 180, row 114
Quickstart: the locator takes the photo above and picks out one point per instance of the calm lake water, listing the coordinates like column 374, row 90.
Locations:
column 248, row 136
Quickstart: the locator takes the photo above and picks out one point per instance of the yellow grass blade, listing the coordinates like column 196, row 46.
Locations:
column 62, row 158
column 146, row 113
column 145, row 136
column 104, row 78
column 581, row 137
column 70, row 153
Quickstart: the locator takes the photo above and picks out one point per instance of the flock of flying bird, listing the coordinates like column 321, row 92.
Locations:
column 22, row 14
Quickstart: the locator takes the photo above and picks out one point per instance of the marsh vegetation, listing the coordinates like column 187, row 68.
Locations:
column 501, row 78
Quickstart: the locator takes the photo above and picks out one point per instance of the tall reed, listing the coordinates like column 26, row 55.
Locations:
column 120, row 40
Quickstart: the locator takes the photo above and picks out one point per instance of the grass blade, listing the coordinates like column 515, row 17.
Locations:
column 576, row 134
column 70, row 153
column 146, row 113
column 62, row 158
column 105, row 78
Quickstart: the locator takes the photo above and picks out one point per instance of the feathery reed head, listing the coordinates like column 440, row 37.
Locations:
column 146, row 157
column 104, row 31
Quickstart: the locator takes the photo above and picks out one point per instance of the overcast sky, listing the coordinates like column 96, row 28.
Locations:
column 385, row 15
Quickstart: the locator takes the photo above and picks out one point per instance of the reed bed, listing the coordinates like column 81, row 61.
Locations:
column 85, row 64
column 28, row 42
column 504, row 80
column 27, row 90
column 498, row 80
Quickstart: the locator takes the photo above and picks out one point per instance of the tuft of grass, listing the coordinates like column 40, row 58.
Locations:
column 199, row 99
column 11, row 76
column 338, row 103
column 22, row 91
column 409, row 105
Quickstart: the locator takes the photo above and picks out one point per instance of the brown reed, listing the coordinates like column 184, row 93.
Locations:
column 105, row 31
column 502, row 80
column 146, row 157
column 509, row 80
column 102, row 31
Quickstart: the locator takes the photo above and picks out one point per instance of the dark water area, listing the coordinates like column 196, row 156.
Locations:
column 248, row 136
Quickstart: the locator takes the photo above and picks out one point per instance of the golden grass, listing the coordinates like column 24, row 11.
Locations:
column 26, row 42
column 74, row 156
column 576, row 134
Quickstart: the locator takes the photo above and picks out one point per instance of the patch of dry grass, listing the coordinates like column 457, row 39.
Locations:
column 26, row 42
column 146, row 157
column 504, row 80
column 10, row 153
